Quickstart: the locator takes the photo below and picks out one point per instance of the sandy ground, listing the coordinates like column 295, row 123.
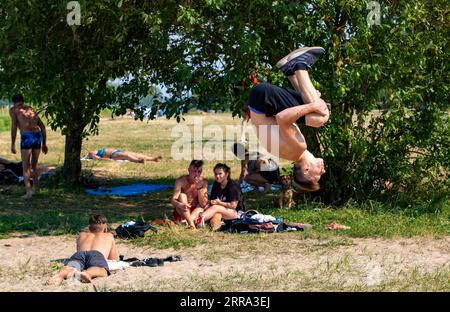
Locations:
column 25, row 264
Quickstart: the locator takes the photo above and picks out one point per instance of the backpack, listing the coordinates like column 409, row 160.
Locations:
column 133, row 229
column 7, row 177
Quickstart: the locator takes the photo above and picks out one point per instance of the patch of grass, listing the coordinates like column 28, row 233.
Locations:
column 5, row 123
column 343, row 279
column 175, row 237
column 382, row 222
column 60, row 209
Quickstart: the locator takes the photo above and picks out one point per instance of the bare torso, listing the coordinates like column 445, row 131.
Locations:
column 27, row 118
column 190, row 190
column 102, row 242
column 109, row 151
column 272, row 139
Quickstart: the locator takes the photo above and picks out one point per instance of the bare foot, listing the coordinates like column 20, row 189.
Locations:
column 337, row 227
column 27, row 195
column 155, row 159
column 85, row 278
column 56, row 280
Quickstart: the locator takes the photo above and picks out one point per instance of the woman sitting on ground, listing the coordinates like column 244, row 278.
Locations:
column 226, row 198
column 256, row 169
column 109, row 153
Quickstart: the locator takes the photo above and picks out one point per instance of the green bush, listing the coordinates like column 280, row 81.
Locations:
column 387, row 83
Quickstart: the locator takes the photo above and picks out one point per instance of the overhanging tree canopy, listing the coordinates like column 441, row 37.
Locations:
column 204, row 47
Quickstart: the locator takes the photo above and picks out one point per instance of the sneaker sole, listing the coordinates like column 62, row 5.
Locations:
column 284, row 60
column 298, row 52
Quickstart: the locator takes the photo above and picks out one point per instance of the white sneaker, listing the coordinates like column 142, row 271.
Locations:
column 285, row 59
column 316, row 51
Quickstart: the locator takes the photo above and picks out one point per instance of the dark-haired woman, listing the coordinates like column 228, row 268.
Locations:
column 226, row 197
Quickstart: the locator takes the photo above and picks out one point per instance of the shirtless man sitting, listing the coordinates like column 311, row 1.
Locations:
column 33, row 137
column 93, row 248
column 190, row 195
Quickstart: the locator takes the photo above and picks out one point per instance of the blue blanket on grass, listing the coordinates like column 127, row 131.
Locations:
column 128, row 190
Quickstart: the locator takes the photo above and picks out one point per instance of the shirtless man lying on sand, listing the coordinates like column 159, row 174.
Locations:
column 93, row 248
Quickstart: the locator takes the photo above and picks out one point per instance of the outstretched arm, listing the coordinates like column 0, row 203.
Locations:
column 14, row 124
column 93, row 155
column 44, row 135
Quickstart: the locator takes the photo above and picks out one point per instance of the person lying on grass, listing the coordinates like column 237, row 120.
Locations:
column 226, row 198
column 108, row 153
column 17, row 167
column 93, row 248
column 190, row 194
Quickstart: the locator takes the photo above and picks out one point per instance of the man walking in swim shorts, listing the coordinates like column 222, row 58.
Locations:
column 282, row 110
column 33, row 137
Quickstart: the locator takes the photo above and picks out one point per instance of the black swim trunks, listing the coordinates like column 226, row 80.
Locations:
column 269, row 99
column 271, row 176
column 83, row 260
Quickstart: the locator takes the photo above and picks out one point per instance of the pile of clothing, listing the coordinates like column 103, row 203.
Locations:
column 252, row 221
column 151, row 262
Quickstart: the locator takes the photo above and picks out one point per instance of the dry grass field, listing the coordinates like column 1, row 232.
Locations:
column 385, row 249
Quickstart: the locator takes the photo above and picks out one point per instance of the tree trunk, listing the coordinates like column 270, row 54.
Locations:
column 72, row 152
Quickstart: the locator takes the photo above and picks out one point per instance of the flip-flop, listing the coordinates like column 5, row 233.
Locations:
column 173, row 258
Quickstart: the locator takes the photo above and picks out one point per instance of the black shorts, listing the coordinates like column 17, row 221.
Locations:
column 269, row 99
column 271, row 176
column 17, row 168
column 83, row 260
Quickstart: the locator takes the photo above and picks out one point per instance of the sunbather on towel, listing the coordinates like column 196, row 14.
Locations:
column 93, row 249
column 109, row 153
